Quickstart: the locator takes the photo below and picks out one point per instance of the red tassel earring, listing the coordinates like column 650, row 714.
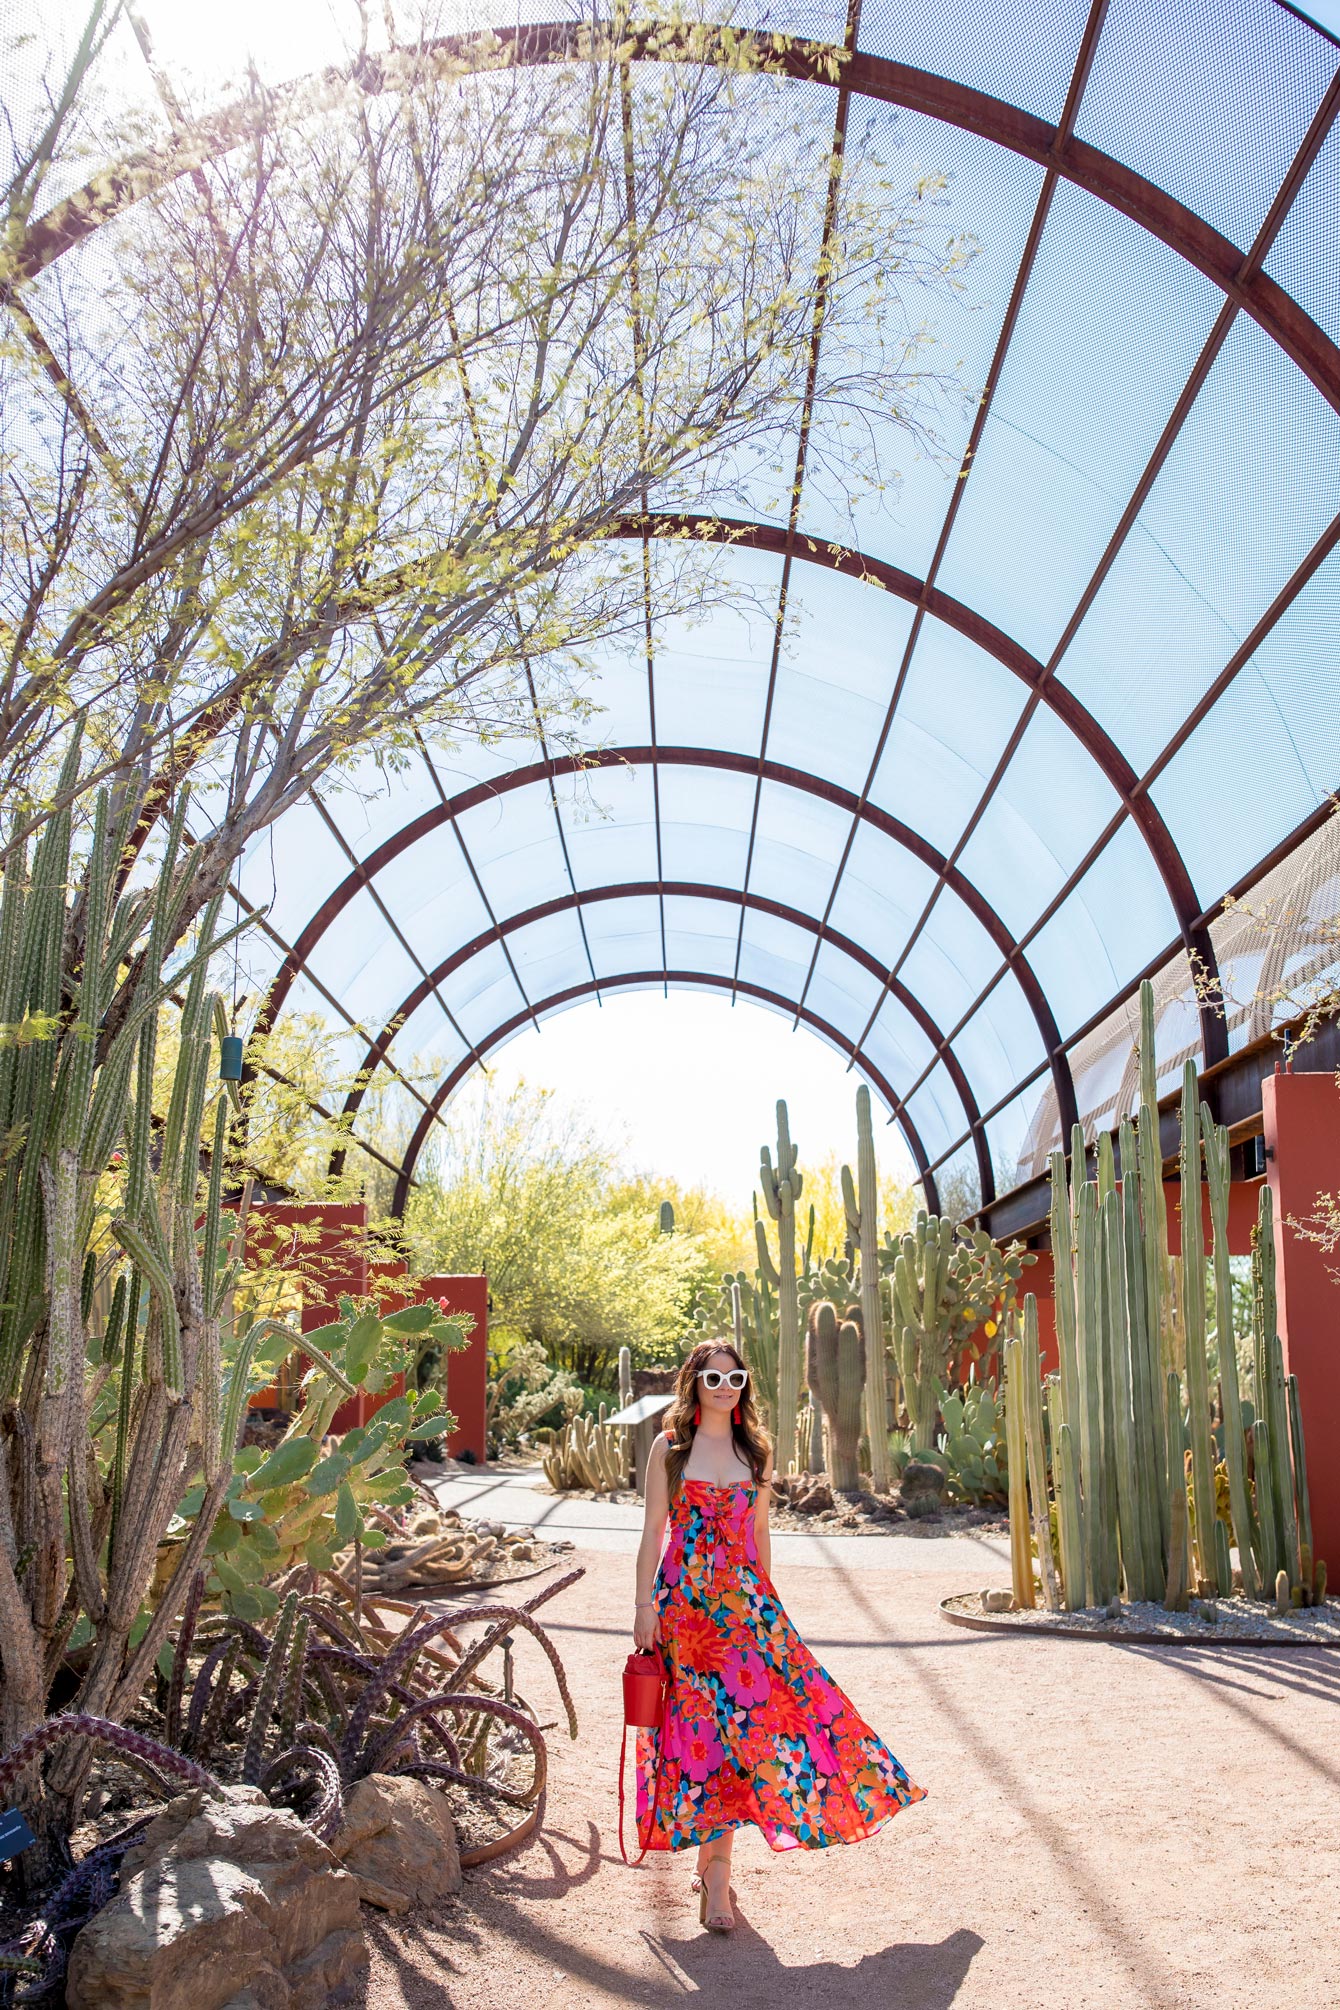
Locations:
column 697, row 1415
column 735, row 1414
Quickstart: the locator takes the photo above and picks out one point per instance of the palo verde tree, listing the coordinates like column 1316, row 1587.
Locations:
column 342, row 411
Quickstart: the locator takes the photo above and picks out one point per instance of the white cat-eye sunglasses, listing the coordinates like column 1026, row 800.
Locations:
column 731, row 1378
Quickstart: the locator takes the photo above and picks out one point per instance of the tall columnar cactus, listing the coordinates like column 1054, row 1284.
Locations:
column 1235, row 1449
column 836, row 1370
column 781, row 1184
column 1146, row 1374
column 1021, row 1562
column 1193, row 1328
column 1035, row 1441
column 1096, row 1474
column 862, row 1208
column 921, row 1321
column 1119, row 1432
column 745, row 1309
column 105, row 1204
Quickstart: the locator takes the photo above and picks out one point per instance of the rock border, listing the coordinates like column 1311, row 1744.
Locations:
column 1211, row 1636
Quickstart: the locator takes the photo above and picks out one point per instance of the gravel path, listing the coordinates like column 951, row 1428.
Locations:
column 1114, row 1827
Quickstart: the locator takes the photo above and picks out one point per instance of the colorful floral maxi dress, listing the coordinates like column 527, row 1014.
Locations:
column 754, row 1729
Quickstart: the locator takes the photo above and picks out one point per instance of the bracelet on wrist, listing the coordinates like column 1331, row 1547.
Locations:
column 644, row 1605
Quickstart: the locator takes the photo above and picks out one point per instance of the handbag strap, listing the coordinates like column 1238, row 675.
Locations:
column 633, row 1862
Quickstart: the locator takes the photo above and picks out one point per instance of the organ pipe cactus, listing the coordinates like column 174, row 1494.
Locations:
column 1123, row 1426
column 1193, row 1328
column 781, row 1183
column 1235, row 1449
column 861, row 1202
column 836, row 1368
column 1021, row 1563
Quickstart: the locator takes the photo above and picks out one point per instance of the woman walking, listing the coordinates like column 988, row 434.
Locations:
column 754, row 1730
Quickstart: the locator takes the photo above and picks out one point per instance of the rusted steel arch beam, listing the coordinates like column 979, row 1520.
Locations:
column 994, row 642
column 575, row 993
column 688, row 890
column 696, row 757
column 1307, row 345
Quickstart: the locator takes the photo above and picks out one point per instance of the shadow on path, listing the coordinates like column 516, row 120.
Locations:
column 742, row 1969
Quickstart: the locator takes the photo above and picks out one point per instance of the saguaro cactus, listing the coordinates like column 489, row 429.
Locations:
column 781, row 1184
column 835, row 1366
column 862, row 1209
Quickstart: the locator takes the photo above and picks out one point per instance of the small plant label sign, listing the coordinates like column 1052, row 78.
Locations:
column 15, row 1834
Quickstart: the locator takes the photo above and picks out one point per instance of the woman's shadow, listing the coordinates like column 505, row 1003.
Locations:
column 912, row 1975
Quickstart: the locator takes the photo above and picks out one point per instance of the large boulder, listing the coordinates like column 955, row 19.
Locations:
column 224, row 1905
column 399, row 1841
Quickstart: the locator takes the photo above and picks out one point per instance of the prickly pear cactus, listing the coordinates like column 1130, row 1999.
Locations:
column 975, row 1444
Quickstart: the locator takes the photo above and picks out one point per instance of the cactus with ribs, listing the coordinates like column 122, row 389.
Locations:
column 781, row 1183
column 114, row 1264
column 835, row 1365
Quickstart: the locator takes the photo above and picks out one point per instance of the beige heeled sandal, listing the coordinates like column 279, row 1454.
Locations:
column 717, row 1922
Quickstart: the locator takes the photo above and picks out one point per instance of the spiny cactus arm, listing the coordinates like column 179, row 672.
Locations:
column 147, row 1259
column 81, row 1042
column 1175, row 1597
column 1035, row 1445
column 119, row 1738
column 1193, row 1324
column 1069, row 1515
column 1302, row 1499
column 767, row 1268
column 268, row 1694
column 1219, row 1174
column 326, row 1812
column 768, row 1182
column 1021, row 1565
column 1089, row 1342
column 1117, row 1363
column 180, row 1656
column 866, row 1231
column 1280, row 1463
column 1146, row 1381
column 1063, row 1267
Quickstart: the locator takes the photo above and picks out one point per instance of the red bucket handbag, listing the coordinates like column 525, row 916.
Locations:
column 644, row 1709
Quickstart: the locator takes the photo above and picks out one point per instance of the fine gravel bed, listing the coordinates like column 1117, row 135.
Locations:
column 1227, row 1620
column 1087, row 1815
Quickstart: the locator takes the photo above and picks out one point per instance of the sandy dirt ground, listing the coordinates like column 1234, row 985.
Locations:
column 1108, row 1826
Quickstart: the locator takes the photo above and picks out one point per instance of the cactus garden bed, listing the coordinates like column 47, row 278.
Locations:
column 1208, row 1622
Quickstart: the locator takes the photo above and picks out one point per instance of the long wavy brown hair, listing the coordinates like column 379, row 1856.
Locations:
column 750, row 1439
